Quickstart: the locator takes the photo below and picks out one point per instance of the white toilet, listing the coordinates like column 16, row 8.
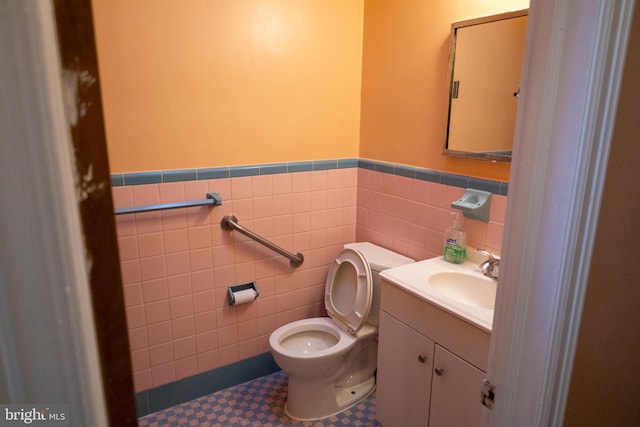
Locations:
column 331, row 361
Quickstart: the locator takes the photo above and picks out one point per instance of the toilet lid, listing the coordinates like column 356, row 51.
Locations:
column 349, row 290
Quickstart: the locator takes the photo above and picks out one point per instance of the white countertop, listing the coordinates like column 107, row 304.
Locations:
column 414, row 278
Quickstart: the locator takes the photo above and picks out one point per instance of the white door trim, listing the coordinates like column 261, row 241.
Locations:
column 48, row 347
column 572, row 71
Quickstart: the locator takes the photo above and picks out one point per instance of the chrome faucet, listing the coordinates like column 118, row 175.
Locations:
column 491, row 267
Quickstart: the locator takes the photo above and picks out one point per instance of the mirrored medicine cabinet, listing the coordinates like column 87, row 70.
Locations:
column 484, row 85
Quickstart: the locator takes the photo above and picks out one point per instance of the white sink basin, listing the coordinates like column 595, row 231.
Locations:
column 465, row 288
column 460, row 289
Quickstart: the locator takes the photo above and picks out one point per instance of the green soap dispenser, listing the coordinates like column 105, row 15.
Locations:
column 455, row 249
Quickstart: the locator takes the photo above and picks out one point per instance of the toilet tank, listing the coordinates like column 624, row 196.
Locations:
column 379, row 259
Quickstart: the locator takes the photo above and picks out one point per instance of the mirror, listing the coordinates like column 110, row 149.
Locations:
column 484, row 80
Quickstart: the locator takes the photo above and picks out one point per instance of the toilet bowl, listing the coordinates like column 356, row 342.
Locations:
column 331, row 361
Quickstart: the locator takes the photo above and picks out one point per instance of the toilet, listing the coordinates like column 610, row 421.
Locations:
column 331, row 361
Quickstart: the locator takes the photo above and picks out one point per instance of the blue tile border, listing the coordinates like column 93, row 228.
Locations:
column 273, row 169
column 139, row 178
column 300, row 167
column 455, row 180
column 164, row 396
column 117, row 180
column 212, row 173
column 199, row 385
column 179, row 175
column 240, row 171
column 323, row 165
column 347, row 163
column 428, row 175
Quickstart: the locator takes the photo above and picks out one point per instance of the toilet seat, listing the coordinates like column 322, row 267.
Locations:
column 349, row 290
column 278, row 338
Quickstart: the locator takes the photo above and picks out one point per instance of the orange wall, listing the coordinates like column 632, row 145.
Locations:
column 404, row 79
column 206, row 83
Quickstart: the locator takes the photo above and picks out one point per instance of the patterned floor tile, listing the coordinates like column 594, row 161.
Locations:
column 257, row 403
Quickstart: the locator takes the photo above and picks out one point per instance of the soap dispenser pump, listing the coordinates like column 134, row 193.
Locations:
column 455, row 249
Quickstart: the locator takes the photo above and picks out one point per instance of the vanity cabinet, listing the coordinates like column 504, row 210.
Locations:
column 430, row 364
column 405, row 366
column 455, row 391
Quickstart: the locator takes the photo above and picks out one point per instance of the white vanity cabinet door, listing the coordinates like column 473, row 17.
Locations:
column 405, row 365
column 455, row 393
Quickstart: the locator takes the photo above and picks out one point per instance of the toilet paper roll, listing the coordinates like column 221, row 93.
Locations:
column 244, row 296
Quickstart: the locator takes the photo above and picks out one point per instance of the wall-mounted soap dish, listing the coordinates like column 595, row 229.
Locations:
column 474, row 204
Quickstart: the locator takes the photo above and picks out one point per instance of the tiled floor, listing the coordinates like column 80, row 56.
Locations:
column 257, row 403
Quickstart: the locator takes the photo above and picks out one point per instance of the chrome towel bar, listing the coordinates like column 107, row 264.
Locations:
column 213, row 199
column 230, row 223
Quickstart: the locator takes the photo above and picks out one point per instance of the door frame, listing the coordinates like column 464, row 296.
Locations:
column 63, row 334
column 572, row 72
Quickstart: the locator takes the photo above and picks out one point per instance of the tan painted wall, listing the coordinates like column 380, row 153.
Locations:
column 217, row 83
column 404, row 79
column 606, row 369
column 194, row 83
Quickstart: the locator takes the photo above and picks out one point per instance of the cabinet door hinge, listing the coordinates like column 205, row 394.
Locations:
column 488, row 394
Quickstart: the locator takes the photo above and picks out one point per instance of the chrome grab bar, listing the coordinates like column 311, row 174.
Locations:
column 230, row 223
column 213, row 199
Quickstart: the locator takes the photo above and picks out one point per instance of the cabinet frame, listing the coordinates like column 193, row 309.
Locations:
column 410, row 391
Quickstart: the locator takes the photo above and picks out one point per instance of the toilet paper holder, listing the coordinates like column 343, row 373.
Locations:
column 237, row 293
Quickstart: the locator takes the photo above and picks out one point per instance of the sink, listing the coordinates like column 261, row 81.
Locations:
column 460, row 289
column 465, row 288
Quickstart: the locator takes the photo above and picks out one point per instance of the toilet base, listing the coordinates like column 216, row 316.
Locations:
column 322, row 401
